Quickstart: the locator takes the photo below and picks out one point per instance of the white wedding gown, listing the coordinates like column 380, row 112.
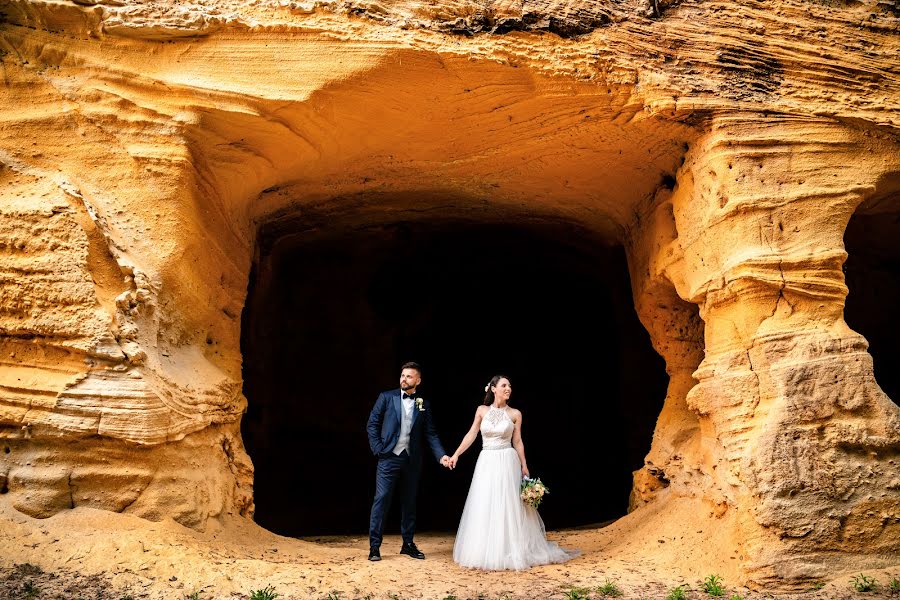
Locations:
column 497, row 530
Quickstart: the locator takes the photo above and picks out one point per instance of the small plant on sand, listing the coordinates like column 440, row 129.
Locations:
column 894, row 586
column 712, row 585
column 30, row 569
column 676, row 593
column 736, row 597
column 335, row 595
column 195, row 595
column 863, row 583
column 451, row 597
column 578, row 593
column 267, row 593
column 609, row 588
column 29, row 590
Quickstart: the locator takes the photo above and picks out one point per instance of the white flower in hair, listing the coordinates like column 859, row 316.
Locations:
column 487, row 387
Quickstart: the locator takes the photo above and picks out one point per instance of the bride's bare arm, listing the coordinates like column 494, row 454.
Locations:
column 517, row 442
column 469, row 437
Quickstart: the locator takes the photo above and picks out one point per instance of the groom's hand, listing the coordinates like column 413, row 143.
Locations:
column 445, row 461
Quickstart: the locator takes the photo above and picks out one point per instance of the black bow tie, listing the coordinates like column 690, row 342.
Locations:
column 404, row 396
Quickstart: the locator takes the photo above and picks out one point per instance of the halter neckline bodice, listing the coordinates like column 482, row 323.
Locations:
column 496, row 429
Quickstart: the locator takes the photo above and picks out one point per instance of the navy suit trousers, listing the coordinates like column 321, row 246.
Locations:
column 392, row 471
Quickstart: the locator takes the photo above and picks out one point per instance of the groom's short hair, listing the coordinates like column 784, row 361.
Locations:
column 411, row 365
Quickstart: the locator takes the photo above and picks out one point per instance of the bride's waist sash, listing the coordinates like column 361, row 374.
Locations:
column 497, row 446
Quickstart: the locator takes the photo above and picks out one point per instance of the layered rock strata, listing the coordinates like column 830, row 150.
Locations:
column 725, row 144
column 791, row 429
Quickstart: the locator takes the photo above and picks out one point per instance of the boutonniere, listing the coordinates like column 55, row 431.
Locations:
column 420, row 404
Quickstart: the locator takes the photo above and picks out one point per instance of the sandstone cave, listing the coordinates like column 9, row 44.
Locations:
column 157, row 397
column 871, row 273
column 331, row 314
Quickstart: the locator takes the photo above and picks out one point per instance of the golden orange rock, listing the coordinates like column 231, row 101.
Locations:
column 725, row 145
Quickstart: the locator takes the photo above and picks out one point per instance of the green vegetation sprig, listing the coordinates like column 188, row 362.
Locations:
column 267, row 593
column 712, row 585
column 609, row 589
column 676, row 593
column 863, row 583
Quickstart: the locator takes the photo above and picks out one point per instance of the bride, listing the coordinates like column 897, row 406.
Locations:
column 497, row 530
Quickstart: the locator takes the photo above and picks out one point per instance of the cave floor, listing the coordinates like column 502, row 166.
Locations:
column 99, row 555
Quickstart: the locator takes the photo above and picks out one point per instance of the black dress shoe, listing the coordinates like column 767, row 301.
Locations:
column 411, row 550
column 374, row 554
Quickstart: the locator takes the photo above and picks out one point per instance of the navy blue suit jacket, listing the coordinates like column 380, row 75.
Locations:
column 384, row 427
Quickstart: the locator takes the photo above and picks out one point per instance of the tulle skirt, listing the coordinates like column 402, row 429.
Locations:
column 497, row 530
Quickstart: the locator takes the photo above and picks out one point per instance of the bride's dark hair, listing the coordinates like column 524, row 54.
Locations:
column 488, row 393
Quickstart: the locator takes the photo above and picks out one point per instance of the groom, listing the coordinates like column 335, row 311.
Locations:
column 397, row 425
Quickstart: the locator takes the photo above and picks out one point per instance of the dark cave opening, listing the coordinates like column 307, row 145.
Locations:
column 329, row 319
column 872, row 274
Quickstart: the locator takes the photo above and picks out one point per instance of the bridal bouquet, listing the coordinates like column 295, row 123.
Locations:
column 533, row 491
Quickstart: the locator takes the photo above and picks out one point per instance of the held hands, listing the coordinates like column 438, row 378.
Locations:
column 449, row 461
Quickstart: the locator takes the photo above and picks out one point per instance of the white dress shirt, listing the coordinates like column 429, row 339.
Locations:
column 405, row 424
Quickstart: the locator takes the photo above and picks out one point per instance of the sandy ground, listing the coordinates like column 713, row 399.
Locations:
column 98, row 555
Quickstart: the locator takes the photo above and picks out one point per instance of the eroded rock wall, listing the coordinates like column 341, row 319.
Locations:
column 795, row 433
column 725, row 144
column 93, row 355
